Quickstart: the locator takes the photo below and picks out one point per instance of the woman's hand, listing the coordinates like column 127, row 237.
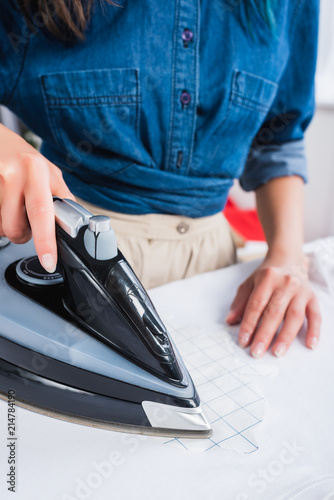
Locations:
column 276, row 292
column 27, row 182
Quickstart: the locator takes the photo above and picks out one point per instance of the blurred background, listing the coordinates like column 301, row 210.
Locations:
column 319, row 205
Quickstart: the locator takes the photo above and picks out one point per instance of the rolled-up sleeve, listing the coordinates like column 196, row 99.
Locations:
column 278, row 148
column 274, row 160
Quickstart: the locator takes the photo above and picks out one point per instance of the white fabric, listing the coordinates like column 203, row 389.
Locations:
column 295, row 460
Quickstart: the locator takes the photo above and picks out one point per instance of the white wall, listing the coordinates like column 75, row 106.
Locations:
column 319, row 196
column 325, row 64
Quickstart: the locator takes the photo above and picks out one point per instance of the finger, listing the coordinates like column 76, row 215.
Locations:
column 1, row 197
column 239, row 303
column 256, row 304
column 15, row 224
column 294, row 319
column 2, row 234
column 313, row 323
column 2, row 185
column 272, row 317
column 39, row 206
column 57, row 183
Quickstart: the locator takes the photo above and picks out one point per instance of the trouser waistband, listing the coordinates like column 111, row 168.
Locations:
column 157, row 226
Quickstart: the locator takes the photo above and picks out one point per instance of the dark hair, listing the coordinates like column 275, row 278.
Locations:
column 65, row 19
column 68, row 19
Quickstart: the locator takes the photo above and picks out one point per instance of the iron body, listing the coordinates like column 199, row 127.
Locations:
column 86, row 343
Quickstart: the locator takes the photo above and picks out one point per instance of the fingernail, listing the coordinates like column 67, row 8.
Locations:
column 230, row 316
column 280, row 350
column 48, row 262
column 244, row 339
column 313, row 342
column 258, row 350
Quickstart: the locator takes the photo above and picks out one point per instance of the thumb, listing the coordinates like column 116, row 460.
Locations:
column 57, row 183
column 238, row 305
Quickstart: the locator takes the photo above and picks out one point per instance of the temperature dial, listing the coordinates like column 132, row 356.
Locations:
column 31, row 271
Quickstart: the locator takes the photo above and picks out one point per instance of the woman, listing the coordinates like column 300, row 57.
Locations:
column 150, row 110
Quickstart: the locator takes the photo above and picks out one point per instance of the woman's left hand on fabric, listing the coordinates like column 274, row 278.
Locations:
column 272, row 295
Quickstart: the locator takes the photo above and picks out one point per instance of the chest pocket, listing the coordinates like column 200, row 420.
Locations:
column 222, row 152
column 93, row 116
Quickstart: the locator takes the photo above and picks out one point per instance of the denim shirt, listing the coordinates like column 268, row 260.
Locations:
column 166, row 102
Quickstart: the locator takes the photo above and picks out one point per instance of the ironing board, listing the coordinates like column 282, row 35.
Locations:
column 295, row 455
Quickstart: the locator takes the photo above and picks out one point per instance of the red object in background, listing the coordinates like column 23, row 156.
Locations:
column 245, row 222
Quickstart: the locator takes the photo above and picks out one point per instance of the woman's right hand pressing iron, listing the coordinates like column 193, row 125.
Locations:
column 27, row 183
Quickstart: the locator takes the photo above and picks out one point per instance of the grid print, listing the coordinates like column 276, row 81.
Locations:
column 230, row 399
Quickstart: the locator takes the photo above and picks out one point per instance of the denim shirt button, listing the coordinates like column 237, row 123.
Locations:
column 185, row 97
column 183, row 227
column 187, row 35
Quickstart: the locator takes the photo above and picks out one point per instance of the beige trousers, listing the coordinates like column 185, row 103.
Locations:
column 163, row 248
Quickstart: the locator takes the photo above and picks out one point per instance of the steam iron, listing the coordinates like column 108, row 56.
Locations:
column 85, row 343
